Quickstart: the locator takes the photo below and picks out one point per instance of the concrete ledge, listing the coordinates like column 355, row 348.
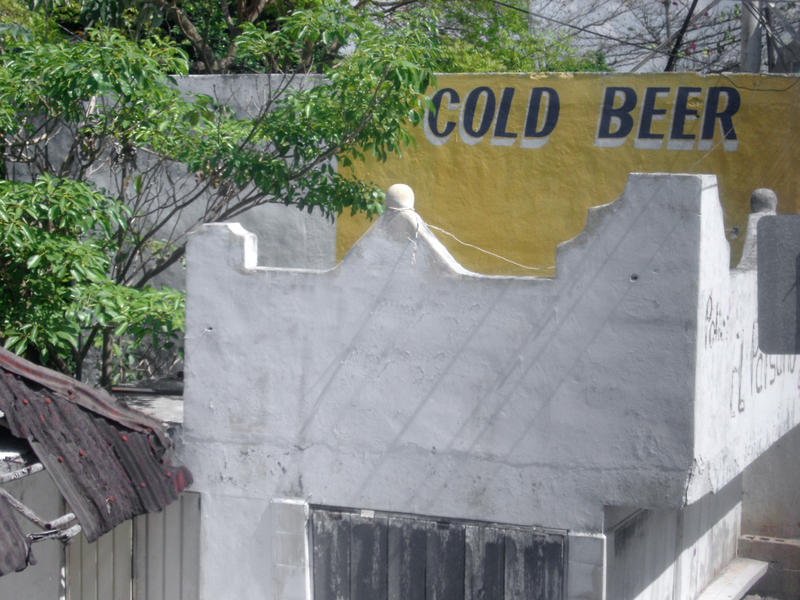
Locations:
column 783, row 555
column 736, row 580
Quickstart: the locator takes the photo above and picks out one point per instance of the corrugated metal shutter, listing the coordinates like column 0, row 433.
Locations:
column 376, row 556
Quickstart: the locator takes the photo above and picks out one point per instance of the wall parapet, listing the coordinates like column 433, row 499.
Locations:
column 400, row 381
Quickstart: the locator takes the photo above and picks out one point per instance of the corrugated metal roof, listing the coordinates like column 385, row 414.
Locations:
column 109, row 462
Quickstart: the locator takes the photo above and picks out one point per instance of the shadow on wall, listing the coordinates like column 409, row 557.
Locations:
column 771, row 491
column 645, row 549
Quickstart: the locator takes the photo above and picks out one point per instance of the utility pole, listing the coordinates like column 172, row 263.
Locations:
column 750, row 54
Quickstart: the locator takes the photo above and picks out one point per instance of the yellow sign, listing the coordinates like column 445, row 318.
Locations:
column 507, row 165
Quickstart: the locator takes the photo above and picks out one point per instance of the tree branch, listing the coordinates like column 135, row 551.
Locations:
column 201, row 46
column 673, row 56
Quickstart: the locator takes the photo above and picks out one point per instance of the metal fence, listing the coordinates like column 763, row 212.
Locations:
column 152, row 557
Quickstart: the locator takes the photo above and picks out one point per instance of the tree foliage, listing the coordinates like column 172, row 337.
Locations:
column 480, row 35
column 106, row 166
column 109, row 165
column 487, row 36
column 56, row 240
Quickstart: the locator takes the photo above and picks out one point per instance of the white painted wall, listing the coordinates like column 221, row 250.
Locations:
column 399, row 381
column 744, row 400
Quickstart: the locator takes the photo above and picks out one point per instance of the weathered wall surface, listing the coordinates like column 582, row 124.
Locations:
column 771, row 493
column 398, row 381
column 399, row 367
column 674, row 553
column 745, row 400
column 770, row 517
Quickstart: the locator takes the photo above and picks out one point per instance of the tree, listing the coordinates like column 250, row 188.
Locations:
column 56, row 240
column 101, row 153
column 489, row 36
column 92, row 123
column 206, row 31
column 642, row 35
column 480, row 35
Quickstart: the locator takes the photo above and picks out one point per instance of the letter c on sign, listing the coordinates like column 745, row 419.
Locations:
column 434, row 135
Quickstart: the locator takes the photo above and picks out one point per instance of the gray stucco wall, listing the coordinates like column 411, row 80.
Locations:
column 674, row 553
column 399, row 381
column 287, row 236
column 772, row 493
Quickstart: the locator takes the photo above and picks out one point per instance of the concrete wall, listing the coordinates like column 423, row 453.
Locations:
column 399, row 381
column 745, row 400
column 770, row 516
column 674, row 553
column 287, row 236
column 771, row 492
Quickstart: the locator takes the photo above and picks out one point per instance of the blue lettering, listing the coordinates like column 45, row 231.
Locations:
column 469, row 133
column 619, row 116
column 646, row 138
column 536, row 137
column 501, row 136
column 679, row 139
column 433, row 115
column 725, row 117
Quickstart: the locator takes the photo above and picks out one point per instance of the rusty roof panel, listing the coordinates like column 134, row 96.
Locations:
column 108, row 470
column 13, row 545
column 96, row 400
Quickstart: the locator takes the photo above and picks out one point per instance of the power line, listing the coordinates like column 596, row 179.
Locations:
column 571, row 26
column 612, row 38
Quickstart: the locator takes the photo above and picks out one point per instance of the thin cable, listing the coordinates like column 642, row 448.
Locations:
column 587, row 30
column 490, row 253
column 665, row 44
column 646, row 47
column 739, row 86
